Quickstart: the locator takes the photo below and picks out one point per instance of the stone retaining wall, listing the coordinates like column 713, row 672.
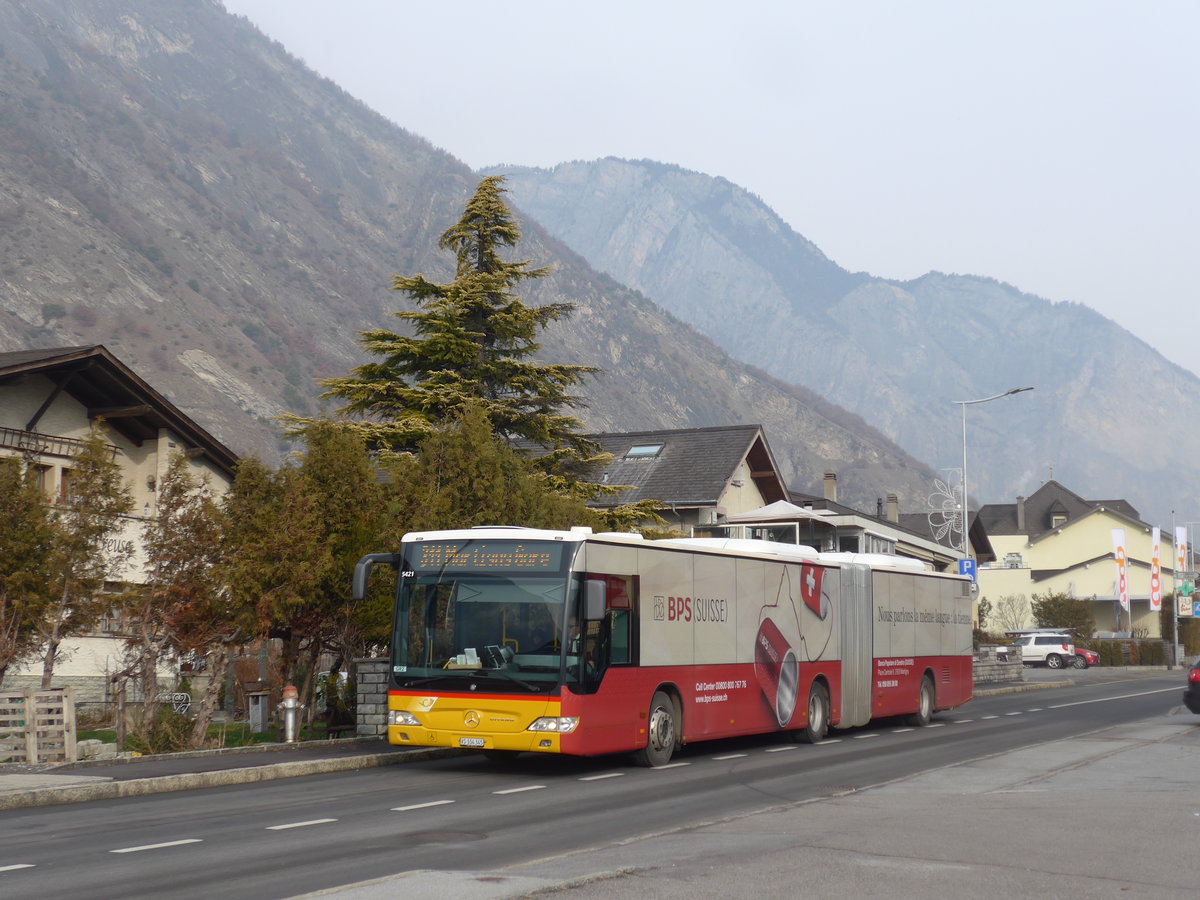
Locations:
column 990, row 667
column 372, row 697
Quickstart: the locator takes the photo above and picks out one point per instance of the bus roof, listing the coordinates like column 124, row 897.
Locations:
column 731, row 546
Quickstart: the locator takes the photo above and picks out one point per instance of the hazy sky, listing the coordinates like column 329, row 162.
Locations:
column 1052, row 145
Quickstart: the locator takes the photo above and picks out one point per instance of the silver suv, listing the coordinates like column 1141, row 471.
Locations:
column 1055, row 649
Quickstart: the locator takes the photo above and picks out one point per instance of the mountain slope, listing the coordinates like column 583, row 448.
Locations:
column 175, row 186
column 1109, row 416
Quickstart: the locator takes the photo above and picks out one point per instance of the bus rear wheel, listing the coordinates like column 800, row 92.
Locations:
column 925, row 701
column 660, row 733
column 818, row 715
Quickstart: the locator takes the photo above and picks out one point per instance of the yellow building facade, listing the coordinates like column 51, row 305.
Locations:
column 1056, row 542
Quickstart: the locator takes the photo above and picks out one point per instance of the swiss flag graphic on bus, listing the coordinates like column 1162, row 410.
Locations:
column 810, row 589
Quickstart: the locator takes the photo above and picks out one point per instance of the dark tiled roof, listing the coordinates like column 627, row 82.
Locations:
column 107, row 388
column 693, row 468
column 1050, row 498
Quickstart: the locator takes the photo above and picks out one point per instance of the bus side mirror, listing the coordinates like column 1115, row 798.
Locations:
column 362, row 570
column 595, row 595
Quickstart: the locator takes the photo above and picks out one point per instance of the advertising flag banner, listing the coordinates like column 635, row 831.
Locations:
column 1183, row 589
column 1119, row 554
column 1155, row 569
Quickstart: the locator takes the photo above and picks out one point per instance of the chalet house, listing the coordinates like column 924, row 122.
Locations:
column 1055, row 541
column 701, row 475
column 49, row 400
column 723, row 482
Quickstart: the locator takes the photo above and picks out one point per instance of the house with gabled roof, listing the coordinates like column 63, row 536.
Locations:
column 1055, row 541
column 723, row 482
column 49, row 400
column 701, row 475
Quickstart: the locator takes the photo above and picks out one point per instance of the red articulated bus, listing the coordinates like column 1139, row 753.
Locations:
column 514, row 639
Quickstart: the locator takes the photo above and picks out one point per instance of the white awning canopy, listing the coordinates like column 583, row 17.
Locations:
column 782, row 511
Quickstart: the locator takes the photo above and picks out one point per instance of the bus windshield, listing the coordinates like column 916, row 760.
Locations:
column 474, row 608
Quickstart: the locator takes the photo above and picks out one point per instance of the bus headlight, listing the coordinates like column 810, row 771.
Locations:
column 561, row 724
column 400, row 717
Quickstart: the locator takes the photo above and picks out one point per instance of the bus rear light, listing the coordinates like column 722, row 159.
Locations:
column 400, row 717
column 560, row 724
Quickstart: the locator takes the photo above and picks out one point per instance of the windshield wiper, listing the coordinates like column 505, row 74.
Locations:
column 511, row 677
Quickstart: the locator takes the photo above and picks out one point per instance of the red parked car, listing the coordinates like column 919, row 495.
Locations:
column 1085, row 657
column 1191, row 694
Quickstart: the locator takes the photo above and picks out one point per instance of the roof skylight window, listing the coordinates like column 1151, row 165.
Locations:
column 643, row 451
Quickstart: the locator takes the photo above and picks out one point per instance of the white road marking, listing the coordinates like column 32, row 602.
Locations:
column 605, row 775
column 529, row 787
column 732, row 756
column 781, row 749
column 902, row 730
column 157, row 846
column 421, row 805
column 863, row 737
column 299, row 824
column 1170, row 690
column 675, row 765
column 16, row 866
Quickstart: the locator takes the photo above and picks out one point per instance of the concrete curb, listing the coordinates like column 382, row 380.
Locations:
column 1021, row 688
column 138, row 787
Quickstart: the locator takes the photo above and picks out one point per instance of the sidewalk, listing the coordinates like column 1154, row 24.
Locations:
column 23, row 786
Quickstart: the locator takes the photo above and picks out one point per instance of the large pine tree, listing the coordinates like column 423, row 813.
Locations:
column 474, row 340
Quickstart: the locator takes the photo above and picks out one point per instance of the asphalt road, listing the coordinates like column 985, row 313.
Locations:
column 729, row 815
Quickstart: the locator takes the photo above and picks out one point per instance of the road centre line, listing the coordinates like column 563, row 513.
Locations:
column 902, row 730
column 1169, row 690
column 732, row 756
column 16, row 866
column 781, row 749
column 863, row 737
column 599, row 777
column 299, row 824
column 518, row 790
column 421, row 805
column 1016, row 712
column 161, row 846
column 674, row 765
column 936, row 725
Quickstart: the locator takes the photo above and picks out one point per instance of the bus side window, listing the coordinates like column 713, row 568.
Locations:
column 619, row 646
column 619, row 593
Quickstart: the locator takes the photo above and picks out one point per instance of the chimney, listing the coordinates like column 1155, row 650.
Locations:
column 893, row 506
column 1021, row 515
column 831, row 487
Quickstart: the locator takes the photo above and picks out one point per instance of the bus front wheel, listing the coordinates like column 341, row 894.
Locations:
column 660, row 733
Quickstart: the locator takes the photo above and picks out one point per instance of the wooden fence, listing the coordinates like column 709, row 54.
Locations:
column 37, row 726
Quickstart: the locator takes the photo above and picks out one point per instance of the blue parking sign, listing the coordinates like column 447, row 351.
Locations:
column 967, row 567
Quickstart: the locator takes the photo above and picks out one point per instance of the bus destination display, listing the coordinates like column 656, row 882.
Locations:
column 485, row 556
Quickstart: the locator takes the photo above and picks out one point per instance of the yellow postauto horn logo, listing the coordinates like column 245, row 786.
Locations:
column 471, row 719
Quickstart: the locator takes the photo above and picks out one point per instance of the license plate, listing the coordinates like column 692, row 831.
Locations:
column 470, row 742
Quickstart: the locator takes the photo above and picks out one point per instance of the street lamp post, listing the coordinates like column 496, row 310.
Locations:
column 964, row 404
